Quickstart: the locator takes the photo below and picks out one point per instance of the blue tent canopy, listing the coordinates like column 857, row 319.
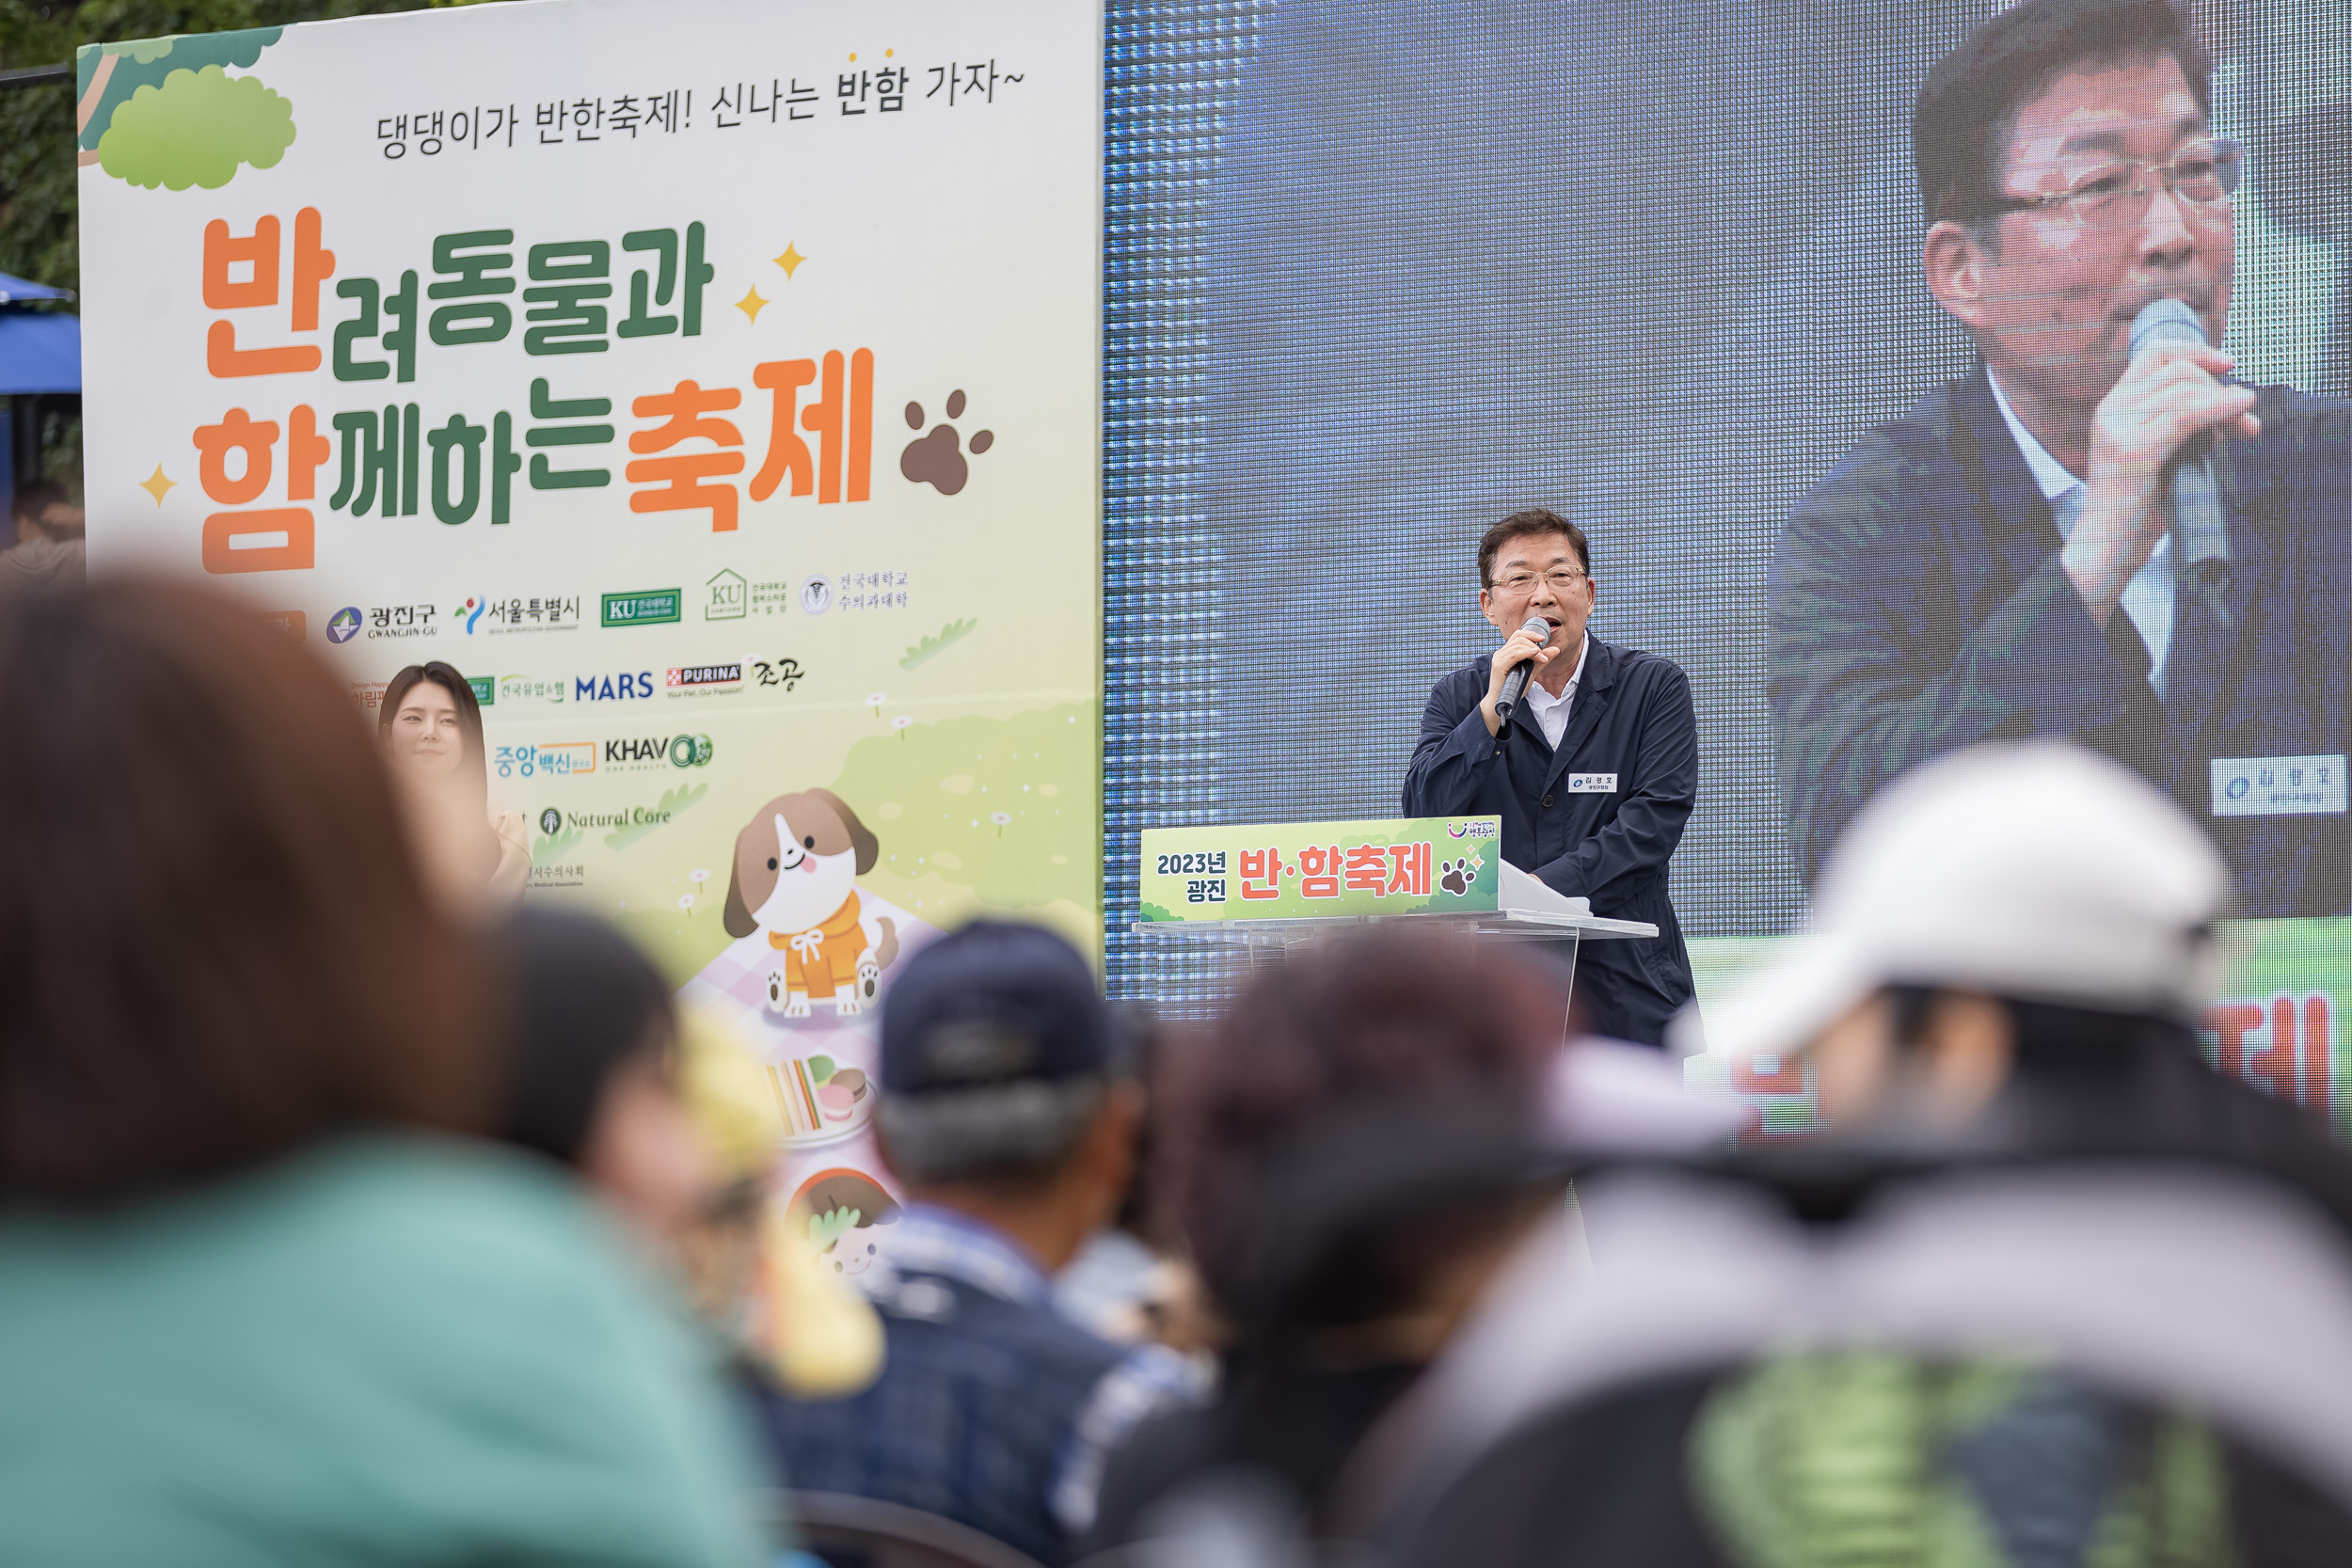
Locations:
column 40, row 350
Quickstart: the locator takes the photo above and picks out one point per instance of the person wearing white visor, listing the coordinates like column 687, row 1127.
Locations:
column 2004, row 882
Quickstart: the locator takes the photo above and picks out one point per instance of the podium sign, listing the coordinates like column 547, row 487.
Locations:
column 1314, row 870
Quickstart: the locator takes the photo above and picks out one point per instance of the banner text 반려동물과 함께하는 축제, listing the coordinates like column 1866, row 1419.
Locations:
column 721, row 399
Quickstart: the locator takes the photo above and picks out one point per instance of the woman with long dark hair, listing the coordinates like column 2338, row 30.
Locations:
column 474, row 859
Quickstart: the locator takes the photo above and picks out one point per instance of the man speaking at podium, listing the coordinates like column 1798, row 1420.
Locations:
column 2096, row 534
column 1593, row 769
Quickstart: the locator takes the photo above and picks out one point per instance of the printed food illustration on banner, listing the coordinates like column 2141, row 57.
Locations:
column 738, row 440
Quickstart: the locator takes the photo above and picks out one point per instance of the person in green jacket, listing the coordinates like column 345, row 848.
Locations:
column 262, row 1299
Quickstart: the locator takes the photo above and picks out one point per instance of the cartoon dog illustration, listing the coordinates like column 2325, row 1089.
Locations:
column 794, row 866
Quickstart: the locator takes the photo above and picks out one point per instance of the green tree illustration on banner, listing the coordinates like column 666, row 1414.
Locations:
column 166, row 112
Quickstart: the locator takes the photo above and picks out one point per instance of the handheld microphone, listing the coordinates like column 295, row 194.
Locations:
column 2201, row 534
column 1515, row 684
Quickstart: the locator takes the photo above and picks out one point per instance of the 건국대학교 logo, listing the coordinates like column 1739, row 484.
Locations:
column 645, row 607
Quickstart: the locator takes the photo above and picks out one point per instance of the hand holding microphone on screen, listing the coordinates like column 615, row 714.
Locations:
column 2151, row 462
column 1514, row 664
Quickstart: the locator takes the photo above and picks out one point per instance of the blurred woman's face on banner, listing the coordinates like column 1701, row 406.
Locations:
column 425, row 734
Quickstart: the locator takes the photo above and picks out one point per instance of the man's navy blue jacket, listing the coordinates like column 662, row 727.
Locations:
column 1917, row 606
column 1632, row 717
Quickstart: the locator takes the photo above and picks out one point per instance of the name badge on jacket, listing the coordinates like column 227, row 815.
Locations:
column 2278, row 787
column 1606, row 784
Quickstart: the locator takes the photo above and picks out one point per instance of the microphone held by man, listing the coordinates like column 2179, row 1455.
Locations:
column 1534, row 634
column 2201, row 536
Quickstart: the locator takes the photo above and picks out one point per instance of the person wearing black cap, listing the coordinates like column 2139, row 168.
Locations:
column 1006, row 1118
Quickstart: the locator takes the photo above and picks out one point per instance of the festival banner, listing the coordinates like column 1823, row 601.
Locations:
column 1313, row 870
column 716, row 386
column 2276, row 1022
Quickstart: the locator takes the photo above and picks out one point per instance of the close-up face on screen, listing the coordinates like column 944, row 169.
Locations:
column 1920, row 376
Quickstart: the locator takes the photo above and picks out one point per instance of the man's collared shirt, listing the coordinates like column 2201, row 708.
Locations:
column 930, row 1242
column 1552, row 712
column 2151, row 596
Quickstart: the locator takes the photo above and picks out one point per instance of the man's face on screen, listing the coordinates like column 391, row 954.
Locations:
column 1538, row 574
column 2053, row 294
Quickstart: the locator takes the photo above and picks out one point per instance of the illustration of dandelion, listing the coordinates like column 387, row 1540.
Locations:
column 901, row 724
column 686, row 902
column 698, row 875
column 875, row 700
column 1003, row 820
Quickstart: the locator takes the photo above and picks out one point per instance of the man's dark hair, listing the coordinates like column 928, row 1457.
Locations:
column 1519, row 525
column 214, row 945
column 1967, row 109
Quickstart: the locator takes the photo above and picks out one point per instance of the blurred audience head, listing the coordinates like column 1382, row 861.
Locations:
column 48, row 549
column 214, row 946
column 42, row 510
column 592, row 1070
column 2012, row 909
column 1360, row 1140
column 1002, row 1093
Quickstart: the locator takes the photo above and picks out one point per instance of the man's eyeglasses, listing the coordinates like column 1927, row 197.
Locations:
column 2204, row 174
column 1561, row 579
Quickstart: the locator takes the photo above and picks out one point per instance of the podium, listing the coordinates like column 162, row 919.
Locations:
column 1268, row 887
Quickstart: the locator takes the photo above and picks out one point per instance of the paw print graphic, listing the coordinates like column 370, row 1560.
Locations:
column 937, row 459
column 1455, row 876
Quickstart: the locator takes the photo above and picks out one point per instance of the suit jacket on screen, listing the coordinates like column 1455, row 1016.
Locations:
column 1631, row 717
column 1917, row 606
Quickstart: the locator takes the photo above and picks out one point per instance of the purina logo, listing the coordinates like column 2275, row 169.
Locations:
column 705, row 680
column 471, row 613
column 647, row 606
column 343, row 624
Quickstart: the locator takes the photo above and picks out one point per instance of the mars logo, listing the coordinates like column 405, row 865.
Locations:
column 343, row 624
column 609, row 688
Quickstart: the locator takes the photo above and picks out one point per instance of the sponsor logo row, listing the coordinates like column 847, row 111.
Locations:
column 565, row 759
column 728, row 597
column 624, row 687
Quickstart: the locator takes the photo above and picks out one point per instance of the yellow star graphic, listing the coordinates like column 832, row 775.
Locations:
column 789, row 259
column 750, row 304
column 156, row 484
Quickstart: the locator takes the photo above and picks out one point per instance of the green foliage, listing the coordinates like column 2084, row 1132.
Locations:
column 674, row 803
column 550, row 847
column 37, row 137
column 152, row 63
column 934, row 795
column 930, row 648
column 198, row 129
